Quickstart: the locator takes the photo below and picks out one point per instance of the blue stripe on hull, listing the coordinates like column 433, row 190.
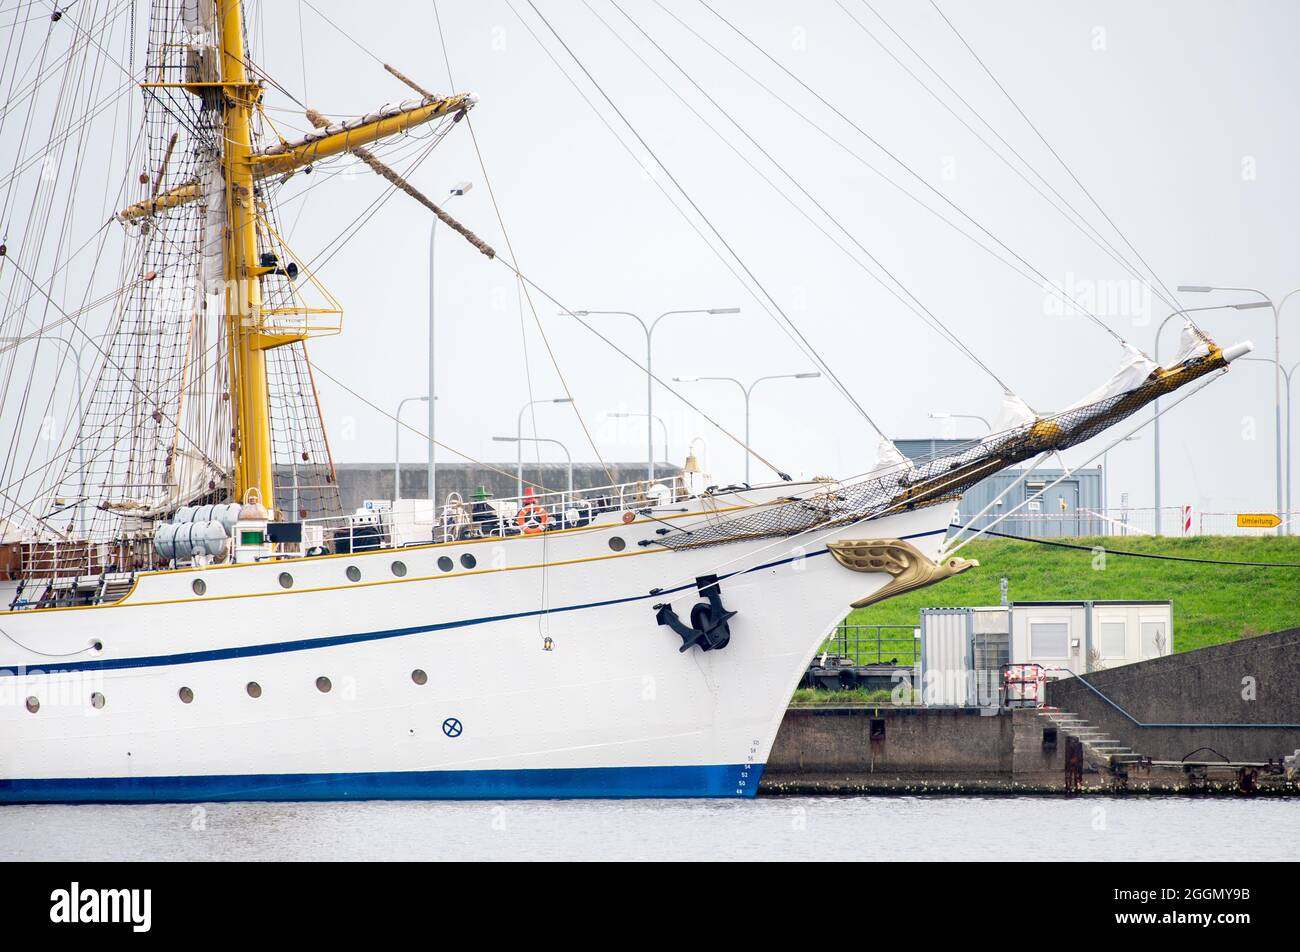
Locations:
column 330, row 641
column 715, row 780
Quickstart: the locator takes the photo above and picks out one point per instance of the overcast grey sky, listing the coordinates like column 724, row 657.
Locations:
column 1179, row 117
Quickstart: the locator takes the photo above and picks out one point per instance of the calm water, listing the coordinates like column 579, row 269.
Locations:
column 809, row 828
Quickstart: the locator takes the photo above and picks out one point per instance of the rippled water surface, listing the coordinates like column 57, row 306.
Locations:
column 806, row 828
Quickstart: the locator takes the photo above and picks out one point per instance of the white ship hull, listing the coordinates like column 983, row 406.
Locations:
column 611, row 709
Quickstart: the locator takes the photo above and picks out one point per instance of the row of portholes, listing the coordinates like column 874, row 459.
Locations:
column 97, row 701
column 200, row 587
column 323, row 684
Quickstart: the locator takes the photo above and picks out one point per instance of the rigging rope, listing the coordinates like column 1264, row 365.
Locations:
column 1047, row 282
column 1077, row 219
column 685, row 216
column 1140, row 555
column 550, row 351
column 1169, row 295
column 914, row 305
column 708, row 222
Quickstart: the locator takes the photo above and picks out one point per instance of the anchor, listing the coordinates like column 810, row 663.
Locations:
column 708, row 628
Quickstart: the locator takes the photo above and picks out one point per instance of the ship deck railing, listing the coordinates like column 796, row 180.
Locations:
column 416, row 522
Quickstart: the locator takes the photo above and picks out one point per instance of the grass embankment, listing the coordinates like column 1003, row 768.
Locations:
column 1211, row 603
column 848, row 696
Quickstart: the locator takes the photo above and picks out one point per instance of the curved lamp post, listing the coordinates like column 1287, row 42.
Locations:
column 649, row 330
column 748, row 391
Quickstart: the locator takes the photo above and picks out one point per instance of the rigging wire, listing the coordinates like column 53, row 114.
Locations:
column 420, row 433
column 104, row 353
column 914, row 305
column 1140, row 555
column 1047, row 282
column 1055, row 154
column 496, row 207
column 803, row 115
column 685, row 216
column 1076, row 218
column 708, row 222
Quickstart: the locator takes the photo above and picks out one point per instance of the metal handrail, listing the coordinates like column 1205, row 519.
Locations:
column 1095, row 690
column 463, row 519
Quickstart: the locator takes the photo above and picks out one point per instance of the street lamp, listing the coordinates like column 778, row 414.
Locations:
column 519, row 439
column 656, row 418
column 460, row 188
column 397, row 445
column 939, row 415
column 1286, row 376
column 649, row 376
column 1155, row 404
column 1105, row 479
column 540, row 439
column 747, row 391
column 1277, row 357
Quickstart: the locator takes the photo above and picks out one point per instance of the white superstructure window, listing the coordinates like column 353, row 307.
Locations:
column 1112, row 639
column 1049, row 639
column 1155, row 639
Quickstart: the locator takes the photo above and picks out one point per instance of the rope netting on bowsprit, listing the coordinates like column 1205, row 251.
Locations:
column 911, row 485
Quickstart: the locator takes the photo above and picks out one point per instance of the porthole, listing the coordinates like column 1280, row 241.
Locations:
column 199, row 586
column 286, row 580
column 186, row 695
column 617, row 543
column 323, row 684
column 399, row 569
column 446, row 564
column 419, row 677
column 96, row 646
column 254, row 689
column 354, row 574
column 468, row 561
column 34, row 705
column 97, row 700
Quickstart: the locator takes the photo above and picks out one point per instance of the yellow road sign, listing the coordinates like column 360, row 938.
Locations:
column 1258, row 520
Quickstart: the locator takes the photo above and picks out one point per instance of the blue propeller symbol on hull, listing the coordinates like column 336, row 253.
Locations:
column 452, row 727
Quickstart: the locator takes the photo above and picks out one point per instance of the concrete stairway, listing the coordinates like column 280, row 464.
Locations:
column 1098, row 743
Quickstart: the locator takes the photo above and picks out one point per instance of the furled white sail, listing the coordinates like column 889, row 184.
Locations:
column 199, row 16
column 888, row 457
column 1191, row 343
column 212, row 263
column 1134, row 370
column 1014, row 412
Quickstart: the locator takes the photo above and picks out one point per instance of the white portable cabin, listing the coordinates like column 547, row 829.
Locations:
column 963, row 649
column 1078, row 637
column 962, row 653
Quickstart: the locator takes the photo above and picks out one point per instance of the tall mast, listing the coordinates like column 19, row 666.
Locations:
column 255, row 323
column 253, row 462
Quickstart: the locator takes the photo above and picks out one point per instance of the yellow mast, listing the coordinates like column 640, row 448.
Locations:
column 251, row 328
column 253, row 461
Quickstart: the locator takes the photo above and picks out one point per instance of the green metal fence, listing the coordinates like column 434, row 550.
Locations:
column 874, row 644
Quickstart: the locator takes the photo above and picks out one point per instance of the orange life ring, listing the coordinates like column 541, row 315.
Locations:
column 532, row 519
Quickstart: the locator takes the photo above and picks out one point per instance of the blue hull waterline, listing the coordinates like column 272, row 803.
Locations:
column 715, row 780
